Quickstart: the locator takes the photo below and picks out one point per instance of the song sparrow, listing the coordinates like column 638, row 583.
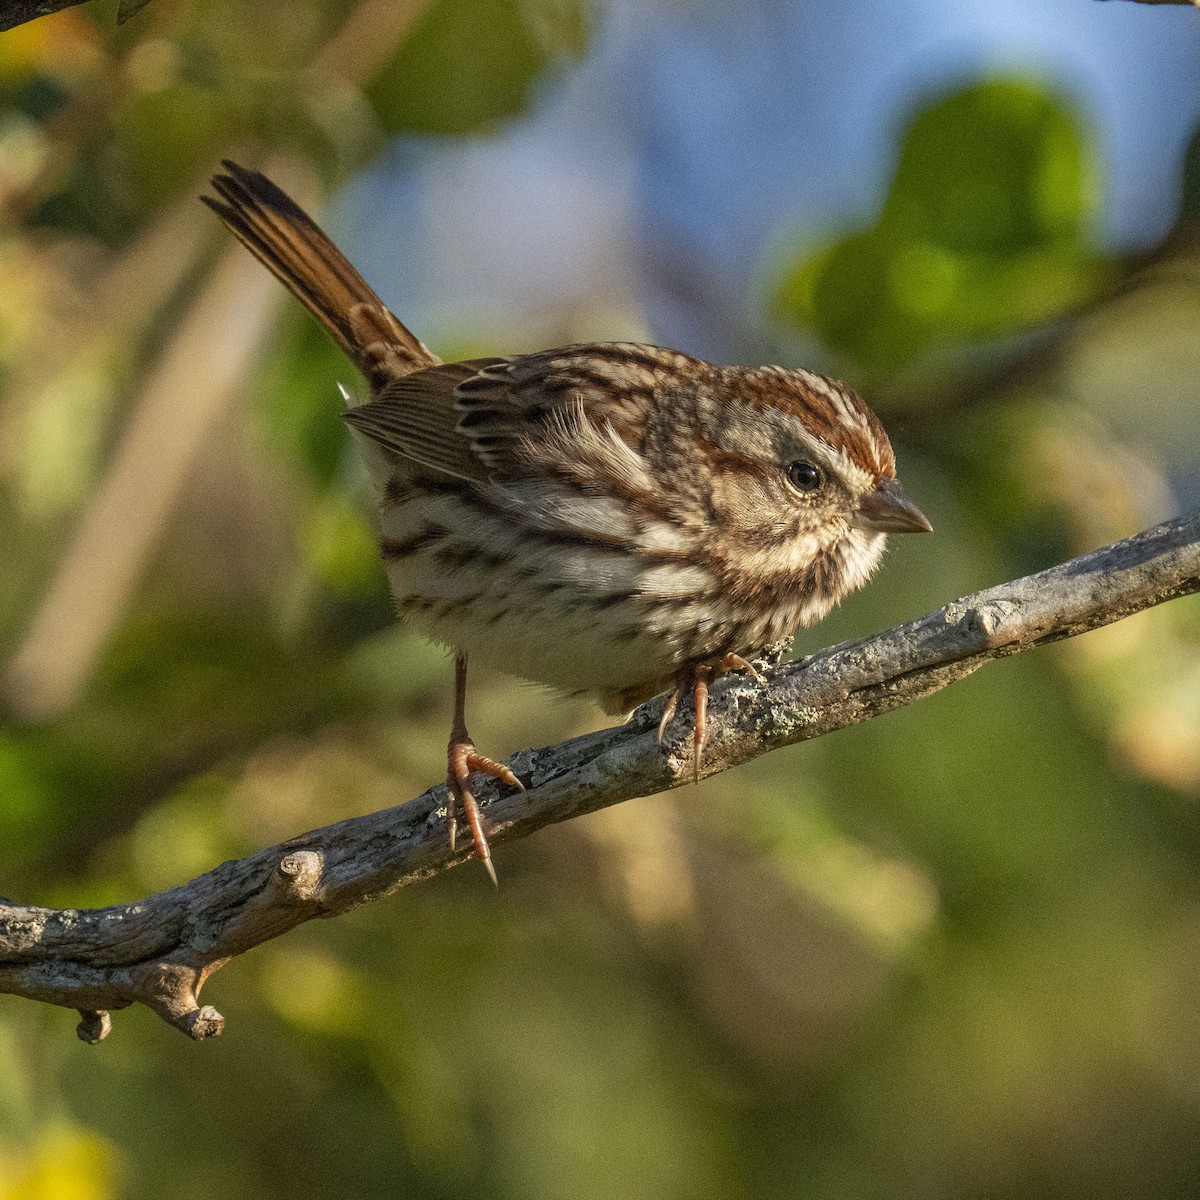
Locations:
column 607, row 518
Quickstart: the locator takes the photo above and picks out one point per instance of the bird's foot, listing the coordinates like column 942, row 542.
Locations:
column 696, row 677
column 735, row 662
column 462, row 762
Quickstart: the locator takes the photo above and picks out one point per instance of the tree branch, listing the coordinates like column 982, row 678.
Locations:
column 17, row 12
column 161, row 951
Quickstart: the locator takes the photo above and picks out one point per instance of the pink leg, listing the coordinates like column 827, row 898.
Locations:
column 699, row 735
column 697, row 677
column 461, row 761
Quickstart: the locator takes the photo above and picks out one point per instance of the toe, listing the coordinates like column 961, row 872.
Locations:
column 497, row 770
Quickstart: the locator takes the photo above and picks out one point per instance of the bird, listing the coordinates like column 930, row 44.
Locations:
column 611, row 519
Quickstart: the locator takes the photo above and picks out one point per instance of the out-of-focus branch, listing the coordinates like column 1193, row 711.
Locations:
column 195, row 381
column 159, row 952
column 17, row 12
column 386, row 18
column 206, row 360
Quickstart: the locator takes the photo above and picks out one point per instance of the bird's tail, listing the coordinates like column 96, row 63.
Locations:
column 281, row 235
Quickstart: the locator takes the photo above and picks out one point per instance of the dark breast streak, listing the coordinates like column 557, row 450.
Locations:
column 480, row 584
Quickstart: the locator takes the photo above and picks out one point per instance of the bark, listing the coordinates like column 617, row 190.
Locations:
column 160, row 951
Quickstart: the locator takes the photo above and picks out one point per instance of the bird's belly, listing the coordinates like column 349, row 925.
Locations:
column 579, row 615
column 570, row 619
column 566, row 651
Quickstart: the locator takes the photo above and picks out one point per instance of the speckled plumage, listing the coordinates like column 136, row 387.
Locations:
column 632, row 498
column 603, row 518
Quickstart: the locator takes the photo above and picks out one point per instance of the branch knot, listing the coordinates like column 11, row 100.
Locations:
column 300, row 875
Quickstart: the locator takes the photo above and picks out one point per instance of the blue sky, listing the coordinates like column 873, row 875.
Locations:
column 644, row 188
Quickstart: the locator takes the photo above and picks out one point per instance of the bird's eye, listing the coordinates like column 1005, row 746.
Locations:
column 803, row 476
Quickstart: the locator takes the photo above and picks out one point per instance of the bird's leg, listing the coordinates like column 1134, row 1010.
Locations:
column 694, row 676
column 697, row 677
column 461, row 761
column 699, row 736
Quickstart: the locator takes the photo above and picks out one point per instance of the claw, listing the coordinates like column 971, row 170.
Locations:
column 668, row 713
column 462, row 761
column 735, row 662
column 699, row 735
column 697, row 676
column 487, row 766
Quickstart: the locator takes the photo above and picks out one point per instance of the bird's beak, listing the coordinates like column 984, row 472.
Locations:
column 886, row 509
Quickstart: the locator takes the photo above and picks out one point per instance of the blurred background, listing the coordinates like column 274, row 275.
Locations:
column 954, row 952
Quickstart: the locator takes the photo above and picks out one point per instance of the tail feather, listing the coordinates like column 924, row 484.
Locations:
column 283, row 237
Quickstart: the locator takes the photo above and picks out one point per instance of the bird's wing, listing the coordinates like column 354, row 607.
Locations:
column 415, row 417
column 479, row 420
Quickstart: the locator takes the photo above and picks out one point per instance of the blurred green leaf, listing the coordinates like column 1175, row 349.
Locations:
column 25, row 795
column 183, row 836
column 996, row 168
column 64, row 1163
column 470, row 63
column 984, row 231
column 162, row 136
column 341, row 546
column 297, row 402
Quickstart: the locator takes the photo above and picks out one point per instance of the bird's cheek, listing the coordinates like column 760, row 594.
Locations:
column 749, row 504
column 860, row 552
column 757, row 522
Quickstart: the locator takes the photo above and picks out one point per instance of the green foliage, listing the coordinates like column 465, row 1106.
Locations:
column 162, row 136
column 951, row 952
column 231, row 76
column 469, row 63
column 984, row 232
column 25, row 794
column 297, row 399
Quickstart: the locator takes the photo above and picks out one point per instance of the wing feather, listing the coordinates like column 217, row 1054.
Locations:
column 415, row 417
column 483, row 420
